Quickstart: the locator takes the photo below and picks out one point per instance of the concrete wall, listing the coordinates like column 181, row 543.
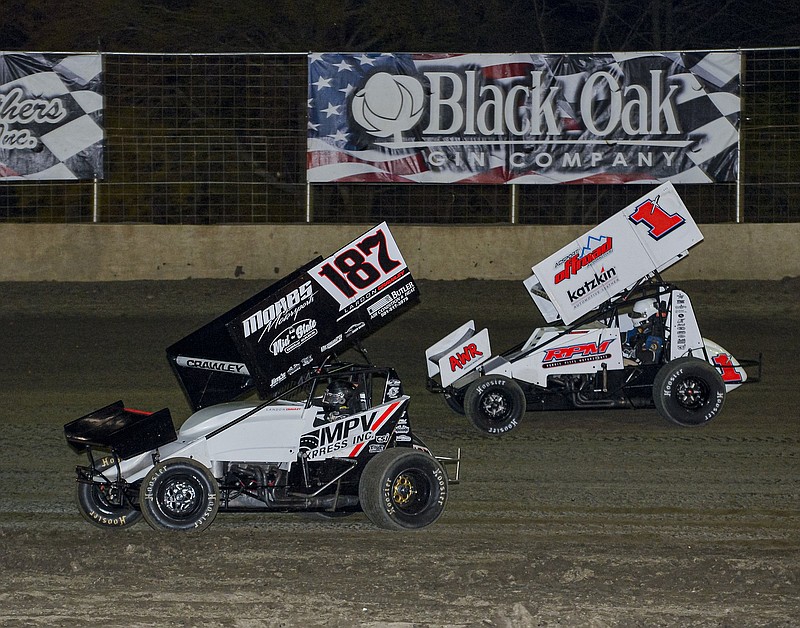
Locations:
column 128, row 252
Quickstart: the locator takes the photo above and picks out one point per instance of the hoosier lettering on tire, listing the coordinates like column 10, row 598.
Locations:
column 179, row 494
column 99, row 505
column 494, row 404
column 688, row 392
column 403, row 489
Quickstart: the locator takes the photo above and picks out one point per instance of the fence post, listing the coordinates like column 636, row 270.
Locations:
column 740, row 175
column 514, row 201
column 95, row 200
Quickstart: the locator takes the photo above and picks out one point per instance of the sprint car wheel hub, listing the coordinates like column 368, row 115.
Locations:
column 403, row 490
column 494, row 405
column 180, row 497
column 692, row 393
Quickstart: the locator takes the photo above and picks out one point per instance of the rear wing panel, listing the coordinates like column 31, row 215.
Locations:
column 125, row 432
column 286, row 330
column 647, row 236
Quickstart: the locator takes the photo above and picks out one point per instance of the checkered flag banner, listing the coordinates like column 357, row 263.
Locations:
column 51, row 115
column 527, row 119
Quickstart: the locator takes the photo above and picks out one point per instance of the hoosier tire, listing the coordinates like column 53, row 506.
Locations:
column 403, row 489
column 688, row 392
column 98, row 504
column 494, row 404
column 455, row 402
column 179, row 494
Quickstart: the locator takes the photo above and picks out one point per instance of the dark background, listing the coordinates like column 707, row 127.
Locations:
column 405, row 25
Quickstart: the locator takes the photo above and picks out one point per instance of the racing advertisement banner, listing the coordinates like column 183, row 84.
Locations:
column 324, row 309
column 51, row 116
column 648, row 235
column 524, row 118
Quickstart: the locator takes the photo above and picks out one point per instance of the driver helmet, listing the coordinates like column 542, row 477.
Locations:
column 643, row 310
column 337, row 395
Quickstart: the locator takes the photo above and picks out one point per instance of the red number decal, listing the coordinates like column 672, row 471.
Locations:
column 351, row 272
column 659, row 221
column 729, row 372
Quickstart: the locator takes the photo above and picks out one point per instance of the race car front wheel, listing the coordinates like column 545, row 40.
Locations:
column 179, row 494
column 99, row 503
column 494, row 404
column 403, row 489
column 688, row 392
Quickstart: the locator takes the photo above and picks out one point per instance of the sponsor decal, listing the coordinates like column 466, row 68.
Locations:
column 594, row 249
column 730, row 374
column 354, row 329
column 277, row 380
column 402, row 438
column 391, row 301
column 659, row 222
column 593, row 284
column 350, row 433
column 679, row 309
column 576, row 354
column 331, row 344
column 402, row 429
column 221, row 366
column 461, row 358
column 281, row 311
column 293, row 369
column 292, row 337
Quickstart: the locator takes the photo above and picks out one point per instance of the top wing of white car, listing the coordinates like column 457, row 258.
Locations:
column 647, row 236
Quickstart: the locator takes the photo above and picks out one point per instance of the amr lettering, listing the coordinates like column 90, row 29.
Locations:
column 460, row 359
column 584, row 349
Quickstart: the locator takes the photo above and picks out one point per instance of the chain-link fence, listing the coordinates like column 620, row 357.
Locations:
column 221, row 139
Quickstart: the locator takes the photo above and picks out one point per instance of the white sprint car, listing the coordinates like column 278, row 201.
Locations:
column 627, row 338
column 323, row 437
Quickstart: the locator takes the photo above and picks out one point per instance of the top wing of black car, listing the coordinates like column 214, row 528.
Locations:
column 294, row 325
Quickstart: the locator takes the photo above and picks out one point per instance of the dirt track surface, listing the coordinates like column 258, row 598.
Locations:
column 609, row 518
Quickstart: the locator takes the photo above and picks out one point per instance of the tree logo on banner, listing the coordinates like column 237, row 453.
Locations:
column 389, row 104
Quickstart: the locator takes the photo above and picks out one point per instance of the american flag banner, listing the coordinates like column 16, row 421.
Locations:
column 522, row 118
column 51, row 110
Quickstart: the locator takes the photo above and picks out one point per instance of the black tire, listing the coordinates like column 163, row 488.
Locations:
column 179, row 494
column 403, row 489
column 494, row 404
column 688, row 392
column 99, row 505
column 455, row 402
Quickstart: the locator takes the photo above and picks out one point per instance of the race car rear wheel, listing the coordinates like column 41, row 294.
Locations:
column 455, row 401
column 403, row 489
column 688, row 392
column 179, row 494
column 494, row 404
column 99, row 504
